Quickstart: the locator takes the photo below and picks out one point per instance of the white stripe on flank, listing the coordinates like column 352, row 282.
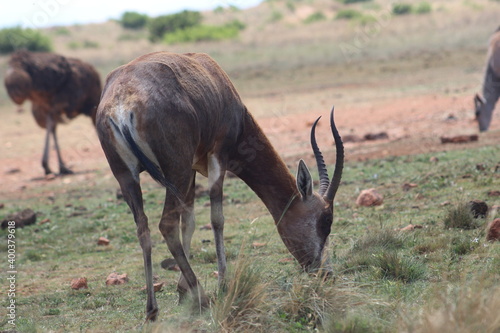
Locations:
column 214, row 170
column 122, row 120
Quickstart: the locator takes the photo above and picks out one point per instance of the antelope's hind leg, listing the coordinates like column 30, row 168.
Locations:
column 132, row 194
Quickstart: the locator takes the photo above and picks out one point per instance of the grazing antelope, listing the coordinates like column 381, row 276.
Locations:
column 173, row 115
column 491, row 87
column 59, row 88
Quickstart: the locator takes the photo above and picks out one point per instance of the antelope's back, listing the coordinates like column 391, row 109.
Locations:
column 174, row 95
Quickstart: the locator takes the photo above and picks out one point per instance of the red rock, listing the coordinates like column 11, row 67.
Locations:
column 408, row 186
column 493, row 231
column 102, row 241
column 156, row 286
column 410, row 227
column 115, row 279
column 369, row 197
column 79, row 283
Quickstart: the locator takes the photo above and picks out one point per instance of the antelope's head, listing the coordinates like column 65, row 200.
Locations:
column 481, row 113
column 306, row 224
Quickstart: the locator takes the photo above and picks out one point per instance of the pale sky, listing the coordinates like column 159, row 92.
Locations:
column 46, row 13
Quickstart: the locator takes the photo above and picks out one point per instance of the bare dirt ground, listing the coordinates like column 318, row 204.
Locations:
column 413, row 124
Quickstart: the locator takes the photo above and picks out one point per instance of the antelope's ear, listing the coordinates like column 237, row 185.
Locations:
column 304, row 181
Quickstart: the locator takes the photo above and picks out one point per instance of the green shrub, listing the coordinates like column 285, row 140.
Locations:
column 423, row 8
column 12, row 39
column 315, row 17
column 276, row 16
column 133, row 20
column 348, row 14
column 401, row 8
column 204, row 33
column 162, row 25
column 366, row 19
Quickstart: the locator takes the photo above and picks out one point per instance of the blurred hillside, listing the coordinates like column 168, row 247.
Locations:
column 294, row 46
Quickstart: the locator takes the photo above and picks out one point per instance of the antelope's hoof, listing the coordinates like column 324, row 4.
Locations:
column 152, row 315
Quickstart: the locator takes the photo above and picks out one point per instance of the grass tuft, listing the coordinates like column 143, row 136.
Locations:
column 460, row 217
column 242, row 299
column 396, row 267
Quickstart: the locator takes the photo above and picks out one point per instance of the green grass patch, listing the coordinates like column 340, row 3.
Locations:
column 385, row 280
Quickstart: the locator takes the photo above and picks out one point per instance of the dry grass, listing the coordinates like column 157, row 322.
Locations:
column 462, row 310
column 242, row 301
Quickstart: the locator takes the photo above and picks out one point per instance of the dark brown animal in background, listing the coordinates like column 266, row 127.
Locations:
column 59, row 89
column 491, row 86
column 173, row 115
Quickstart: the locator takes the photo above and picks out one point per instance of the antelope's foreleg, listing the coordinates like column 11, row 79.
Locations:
column 216, row 181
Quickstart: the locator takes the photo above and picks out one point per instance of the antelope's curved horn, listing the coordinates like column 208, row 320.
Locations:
column 324, row 181
column 339, row 164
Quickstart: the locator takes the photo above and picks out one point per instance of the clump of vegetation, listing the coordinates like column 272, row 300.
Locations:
column 315, row 17
column 12, row 39
column 348, row 14
column 423, row 8
column 204, row 33
column 392, row 266
column 460, row 217
column 133, row 20
column 364, row 251
column 162, row 25
column 401, row 8
column 276, row 16
column 469, row 309
column 241, row 301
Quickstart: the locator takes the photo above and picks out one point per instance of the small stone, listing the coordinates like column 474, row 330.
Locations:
column 156, row 287
column 116, row 279
column 408, row 186
column 369, row 197
column 493, row 231
column 102, row 241
column 170, row 264
column 79, row 283
column 206, row 227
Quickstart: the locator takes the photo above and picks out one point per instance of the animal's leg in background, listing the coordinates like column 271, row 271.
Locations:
column 215, row 183
column 187, row 227
column 45, row 158
column 63, row 170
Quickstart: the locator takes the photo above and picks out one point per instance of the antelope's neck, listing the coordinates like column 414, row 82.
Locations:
column 255, row 161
